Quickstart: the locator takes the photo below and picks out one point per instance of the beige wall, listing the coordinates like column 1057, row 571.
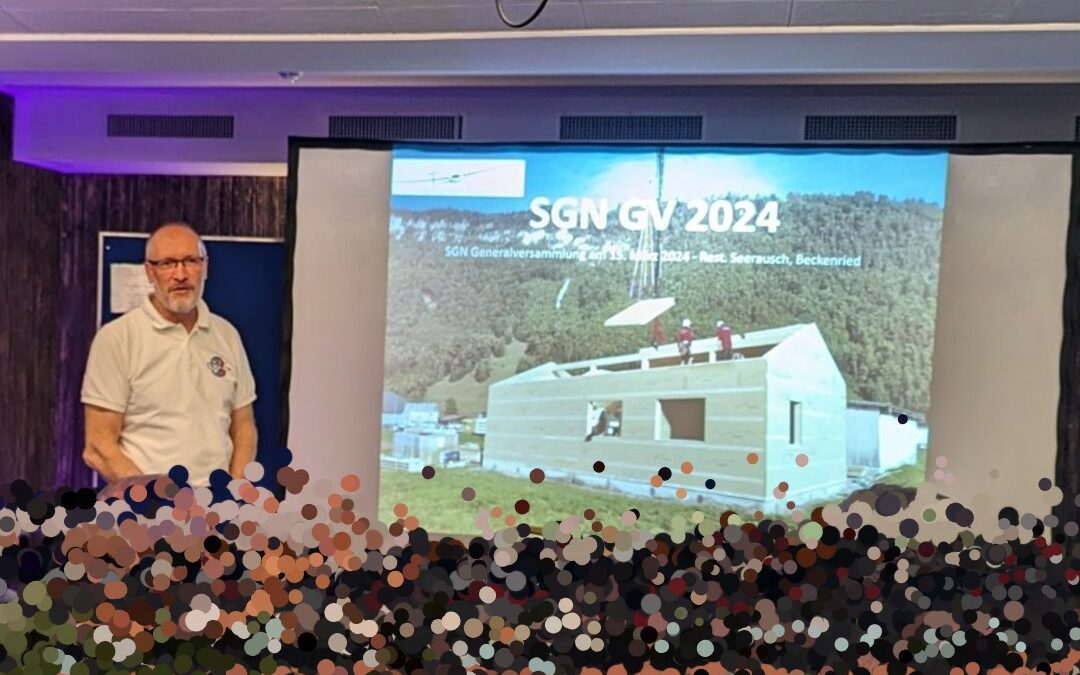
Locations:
column 802, row 369
column 544, row 423
column 995, row 387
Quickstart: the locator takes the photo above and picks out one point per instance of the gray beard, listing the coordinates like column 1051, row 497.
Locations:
column 181, row 307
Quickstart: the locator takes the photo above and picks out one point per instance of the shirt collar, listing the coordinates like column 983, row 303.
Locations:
column 203, row 321
column 161, row 323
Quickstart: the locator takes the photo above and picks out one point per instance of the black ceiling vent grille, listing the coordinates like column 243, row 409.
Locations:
column 396, row 127
column 630, row 127
column 880, row 128
column 1076, row 130
column 170, row 126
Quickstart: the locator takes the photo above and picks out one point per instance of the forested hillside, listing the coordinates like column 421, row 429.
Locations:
column 450, row 318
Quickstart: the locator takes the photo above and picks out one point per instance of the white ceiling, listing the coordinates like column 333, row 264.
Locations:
column 372, row 42
column 422, row 16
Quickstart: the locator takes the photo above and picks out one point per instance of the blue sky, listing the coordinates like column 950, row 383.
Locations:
column 618, row 173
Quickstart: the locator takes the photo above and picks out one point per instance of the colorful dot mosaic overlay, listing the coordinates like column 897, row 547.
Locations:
column 230, row 579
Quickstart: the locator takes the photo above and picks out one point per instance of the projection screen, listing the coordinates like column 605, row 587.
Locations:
column 673, row 329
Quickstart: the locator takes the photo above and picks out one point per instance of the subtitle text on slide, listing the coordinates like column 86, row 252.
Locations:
column 622, row 254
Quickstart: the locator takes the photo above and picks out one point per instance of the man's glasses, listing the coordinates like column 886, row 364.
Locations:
column 170, row 264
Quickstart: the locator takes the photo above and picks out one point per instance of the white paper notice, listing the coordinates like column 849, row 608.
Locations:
column 128, row 286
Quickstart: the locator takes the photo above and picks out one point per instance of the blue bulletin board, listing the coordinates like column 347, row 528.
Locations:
column 246, row 287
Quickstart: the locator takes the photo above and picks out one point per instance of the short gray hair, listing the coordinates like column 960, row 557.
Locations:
column 174, row 223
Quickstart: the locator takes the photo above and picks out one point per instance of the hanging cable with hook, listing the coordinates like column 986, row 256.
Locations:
column 510, row 22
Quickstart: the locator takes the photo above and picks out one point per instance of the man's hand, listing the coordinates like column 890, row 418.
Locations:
column 103, row 452
column 117, row 488
column 244, row 439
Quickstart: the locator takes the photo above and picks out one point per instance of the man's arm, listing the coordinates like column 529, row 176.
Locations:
column 102, row 452
column 244, row 438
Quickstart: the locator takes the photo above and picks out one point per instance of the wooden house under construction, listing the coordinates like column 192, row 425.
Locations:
column 781, row 395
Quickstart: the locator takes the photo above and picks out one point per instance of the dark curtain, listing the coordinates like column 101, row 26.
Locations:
column 1067, row 468
column 31, row 204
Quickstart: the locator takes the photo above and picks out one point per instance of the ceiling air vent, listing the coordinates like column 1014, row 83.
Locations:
column 880, row 128
column 1076, row 130
column 396, row 127
column 630, row 127
column 170, row 126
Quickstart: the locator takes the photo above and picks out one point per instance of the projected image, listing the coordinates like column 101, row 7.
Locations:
column 657, row 328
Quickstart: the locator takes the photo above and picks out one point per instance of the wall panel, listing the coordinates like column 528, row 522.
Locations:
column 31, row 210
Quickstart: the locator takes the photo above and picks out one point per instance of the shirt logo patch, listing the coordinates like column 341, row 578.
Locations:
column 218, row 366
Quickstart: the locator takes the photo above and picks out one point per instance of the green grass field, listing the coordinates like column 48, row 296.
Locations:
column 438, row 504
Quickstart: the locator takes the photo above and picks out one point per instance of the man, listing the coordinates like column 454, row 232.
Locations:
column 686, row 340
column 169, row 383
column 723, row 341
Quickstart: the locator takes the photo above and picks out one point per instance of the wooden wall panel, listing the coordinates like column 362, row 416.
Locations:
column 31, row 203
column 7, row 127
column 228, row 206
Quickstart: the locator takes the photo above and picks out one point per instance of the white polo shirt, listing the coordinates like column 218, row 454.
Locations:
column 177, row 390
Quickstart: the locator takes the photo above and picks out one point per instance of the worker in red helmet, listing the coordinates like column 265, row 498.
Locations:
column 723, row 341
column 686, row 339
